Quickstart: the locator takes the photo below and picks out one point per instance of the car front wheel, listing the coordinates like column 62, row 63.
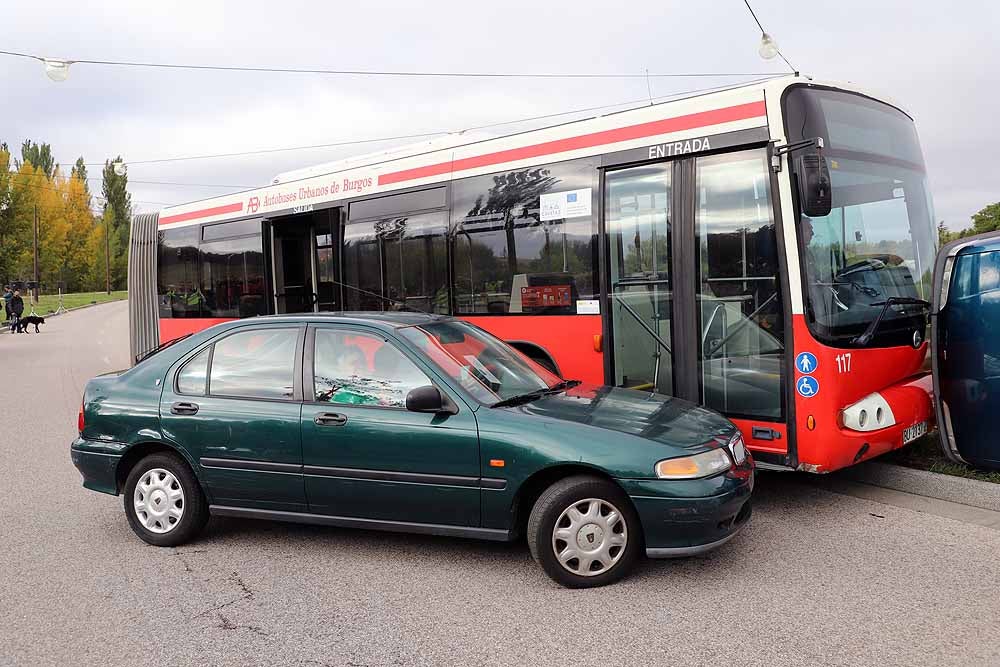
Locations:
column 584, row 532
column 164, row 502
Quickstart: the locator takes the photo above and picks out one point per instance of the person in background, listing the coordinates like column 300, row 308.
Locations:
column 7, row 296
column 16, row 309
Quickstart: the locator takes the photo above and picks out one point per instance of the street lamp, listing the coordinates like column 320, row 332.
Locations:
column 119, row 167
column 57, row 70
column 768, row 48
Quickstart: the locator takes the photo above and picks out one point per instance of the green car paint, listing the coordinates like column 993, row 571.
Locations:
column 472, row 473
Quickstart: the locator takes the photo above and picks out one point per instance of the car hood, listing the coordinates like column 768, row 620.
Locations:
column 664, row 419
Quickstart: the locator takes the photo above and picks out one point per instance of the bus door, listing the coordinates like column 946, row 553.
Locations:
column 694, row 291
column 303, row 262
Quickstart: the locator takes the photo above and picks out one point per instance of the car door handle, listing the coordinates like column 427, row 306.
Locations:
column 184, row 408
column 330, row 419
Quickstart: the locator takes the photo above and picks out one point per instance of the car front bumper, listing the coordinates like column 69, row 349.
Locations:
column 686, row 518
column 98, row 463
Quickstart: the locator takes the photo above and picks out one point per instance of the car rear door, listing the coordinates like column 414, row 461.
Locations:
column 234, row 406
column 364, row 454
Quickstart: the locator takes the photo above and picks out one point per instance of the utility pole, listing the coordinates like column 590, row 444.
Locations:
column 35, row 255
column 107, row 249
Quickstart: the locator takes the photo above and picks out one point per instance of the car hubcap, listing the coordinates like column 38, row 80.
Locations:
column 589, row 537
column 158, row 501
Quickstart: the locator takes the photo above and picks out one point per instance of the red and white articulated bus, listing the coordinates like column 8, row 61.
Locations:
column 763, row 250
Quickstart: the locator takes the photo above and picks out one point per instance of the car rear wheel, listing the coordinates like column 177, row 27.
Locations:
column 584, row 532
column 164, row 502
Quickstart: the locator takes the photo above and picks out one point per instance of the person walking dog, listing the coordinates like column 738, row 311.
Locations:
column 16, row 309
column 7, row 296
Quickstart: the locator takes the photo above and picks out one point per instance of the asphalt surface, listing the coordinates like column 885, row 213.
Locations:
column 818, row 577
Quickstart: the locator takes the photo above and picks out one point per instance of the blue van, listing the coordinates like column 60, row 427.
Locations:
column 965, row 349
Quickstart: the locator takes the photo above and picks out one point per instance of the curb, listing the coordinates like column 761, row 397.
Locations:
column 972, row 492
column 5, row 327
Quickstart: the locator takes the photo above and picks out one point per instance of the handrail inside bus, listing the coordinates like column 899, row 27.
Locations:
column 645, row 326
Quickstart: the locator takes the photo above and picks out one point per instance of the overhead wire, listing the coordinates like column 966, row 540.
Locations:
column 421, row 135
column 386, row 73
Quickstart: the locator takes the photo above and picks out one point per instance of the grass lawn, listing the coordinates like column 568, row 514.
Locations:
column 925, row 454
column 47, row 303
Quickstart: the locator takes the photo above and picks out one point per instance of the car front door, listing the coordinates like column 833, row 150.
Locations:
column 364, row 454
column 235, row 407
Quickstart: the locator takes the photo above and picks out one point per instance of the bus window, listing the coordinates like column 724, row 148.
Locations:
column 178, row 289
column 637, row 211
column 233, row 277
column 362, row 267
column 742, row 329
column 416, row 261
column 524, row 240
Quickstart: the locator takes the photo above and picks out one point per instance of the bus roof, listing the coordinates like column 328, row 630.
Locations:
column 673, row 127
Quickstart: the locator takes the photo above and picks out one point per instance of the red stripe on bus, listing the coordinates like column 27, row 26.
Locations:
column 202, row 213
column 652, row 128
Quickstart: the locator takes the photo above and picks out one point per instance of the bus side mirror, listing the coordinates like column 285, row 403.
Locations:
column 814, row 185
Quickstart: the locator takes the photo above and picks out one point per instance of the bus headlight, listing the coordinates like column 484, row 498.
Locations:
column 701, row 465
column 869, row 414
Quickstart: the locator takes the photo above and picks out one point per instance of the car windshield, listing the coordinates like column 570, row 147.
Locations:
column 878, row 241
column 489, row 369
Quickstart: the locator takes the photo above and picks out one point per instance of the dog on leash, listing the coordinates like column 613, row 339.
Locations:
column 21, row 326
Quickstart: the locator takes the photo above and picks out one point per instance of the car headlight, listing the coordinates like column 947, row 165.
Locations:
column 738, row 448
column 701, row 465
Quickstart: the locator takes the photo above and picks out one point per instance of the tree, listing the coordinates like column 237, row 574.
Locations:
column 79, row 171
column 987, row 220
column 117, row 203
column 39, row 156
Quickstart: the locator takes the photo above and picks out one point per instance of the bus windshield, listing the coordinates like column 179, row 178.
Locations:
column 878, row 240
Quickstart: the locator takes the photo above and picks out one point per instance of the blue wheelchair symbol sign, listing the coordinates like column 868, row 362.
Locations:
column 805, row 362
column 807, row 386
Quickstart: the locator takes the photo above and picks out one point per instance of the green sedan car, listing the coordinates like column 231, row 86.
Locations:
column 414, row 423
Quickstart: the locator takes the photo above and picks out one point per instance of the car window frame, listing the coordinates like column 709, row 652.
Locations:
column 188, row 360
column 297, row 393
column 309, row 357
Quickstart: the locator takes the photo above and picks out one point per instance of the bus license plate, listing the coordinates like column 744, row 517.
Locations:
column 913, row 432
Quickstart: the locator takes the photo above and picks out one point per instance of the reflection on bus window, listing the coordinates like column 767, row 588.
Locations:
column 509, row 257
column 407, row 255
column 178, row 289
column 218, row 278
column 742, row 332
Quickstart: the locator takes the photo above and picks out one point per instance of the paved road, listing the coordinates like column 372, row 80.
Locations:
column 817, row 578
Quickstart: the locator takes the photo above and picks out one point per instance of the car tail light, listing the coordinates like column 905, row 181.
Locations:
column 80, row 422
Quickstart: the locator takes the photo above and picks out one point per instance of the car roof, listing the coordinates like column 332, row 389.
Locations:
column 987, row 242
column 389, row 319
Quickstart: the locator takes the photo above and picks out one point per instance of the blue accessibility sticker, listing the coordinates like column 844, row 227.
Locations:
column 805, row 362
column 807, row 386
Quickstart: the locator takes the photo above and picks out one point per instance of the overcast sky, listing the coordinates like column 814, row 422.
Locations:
column 938, row 60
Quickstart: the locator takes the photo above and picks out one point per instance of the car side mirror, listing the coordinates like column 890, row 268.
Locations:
column 814, row 185
column 430, row 399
